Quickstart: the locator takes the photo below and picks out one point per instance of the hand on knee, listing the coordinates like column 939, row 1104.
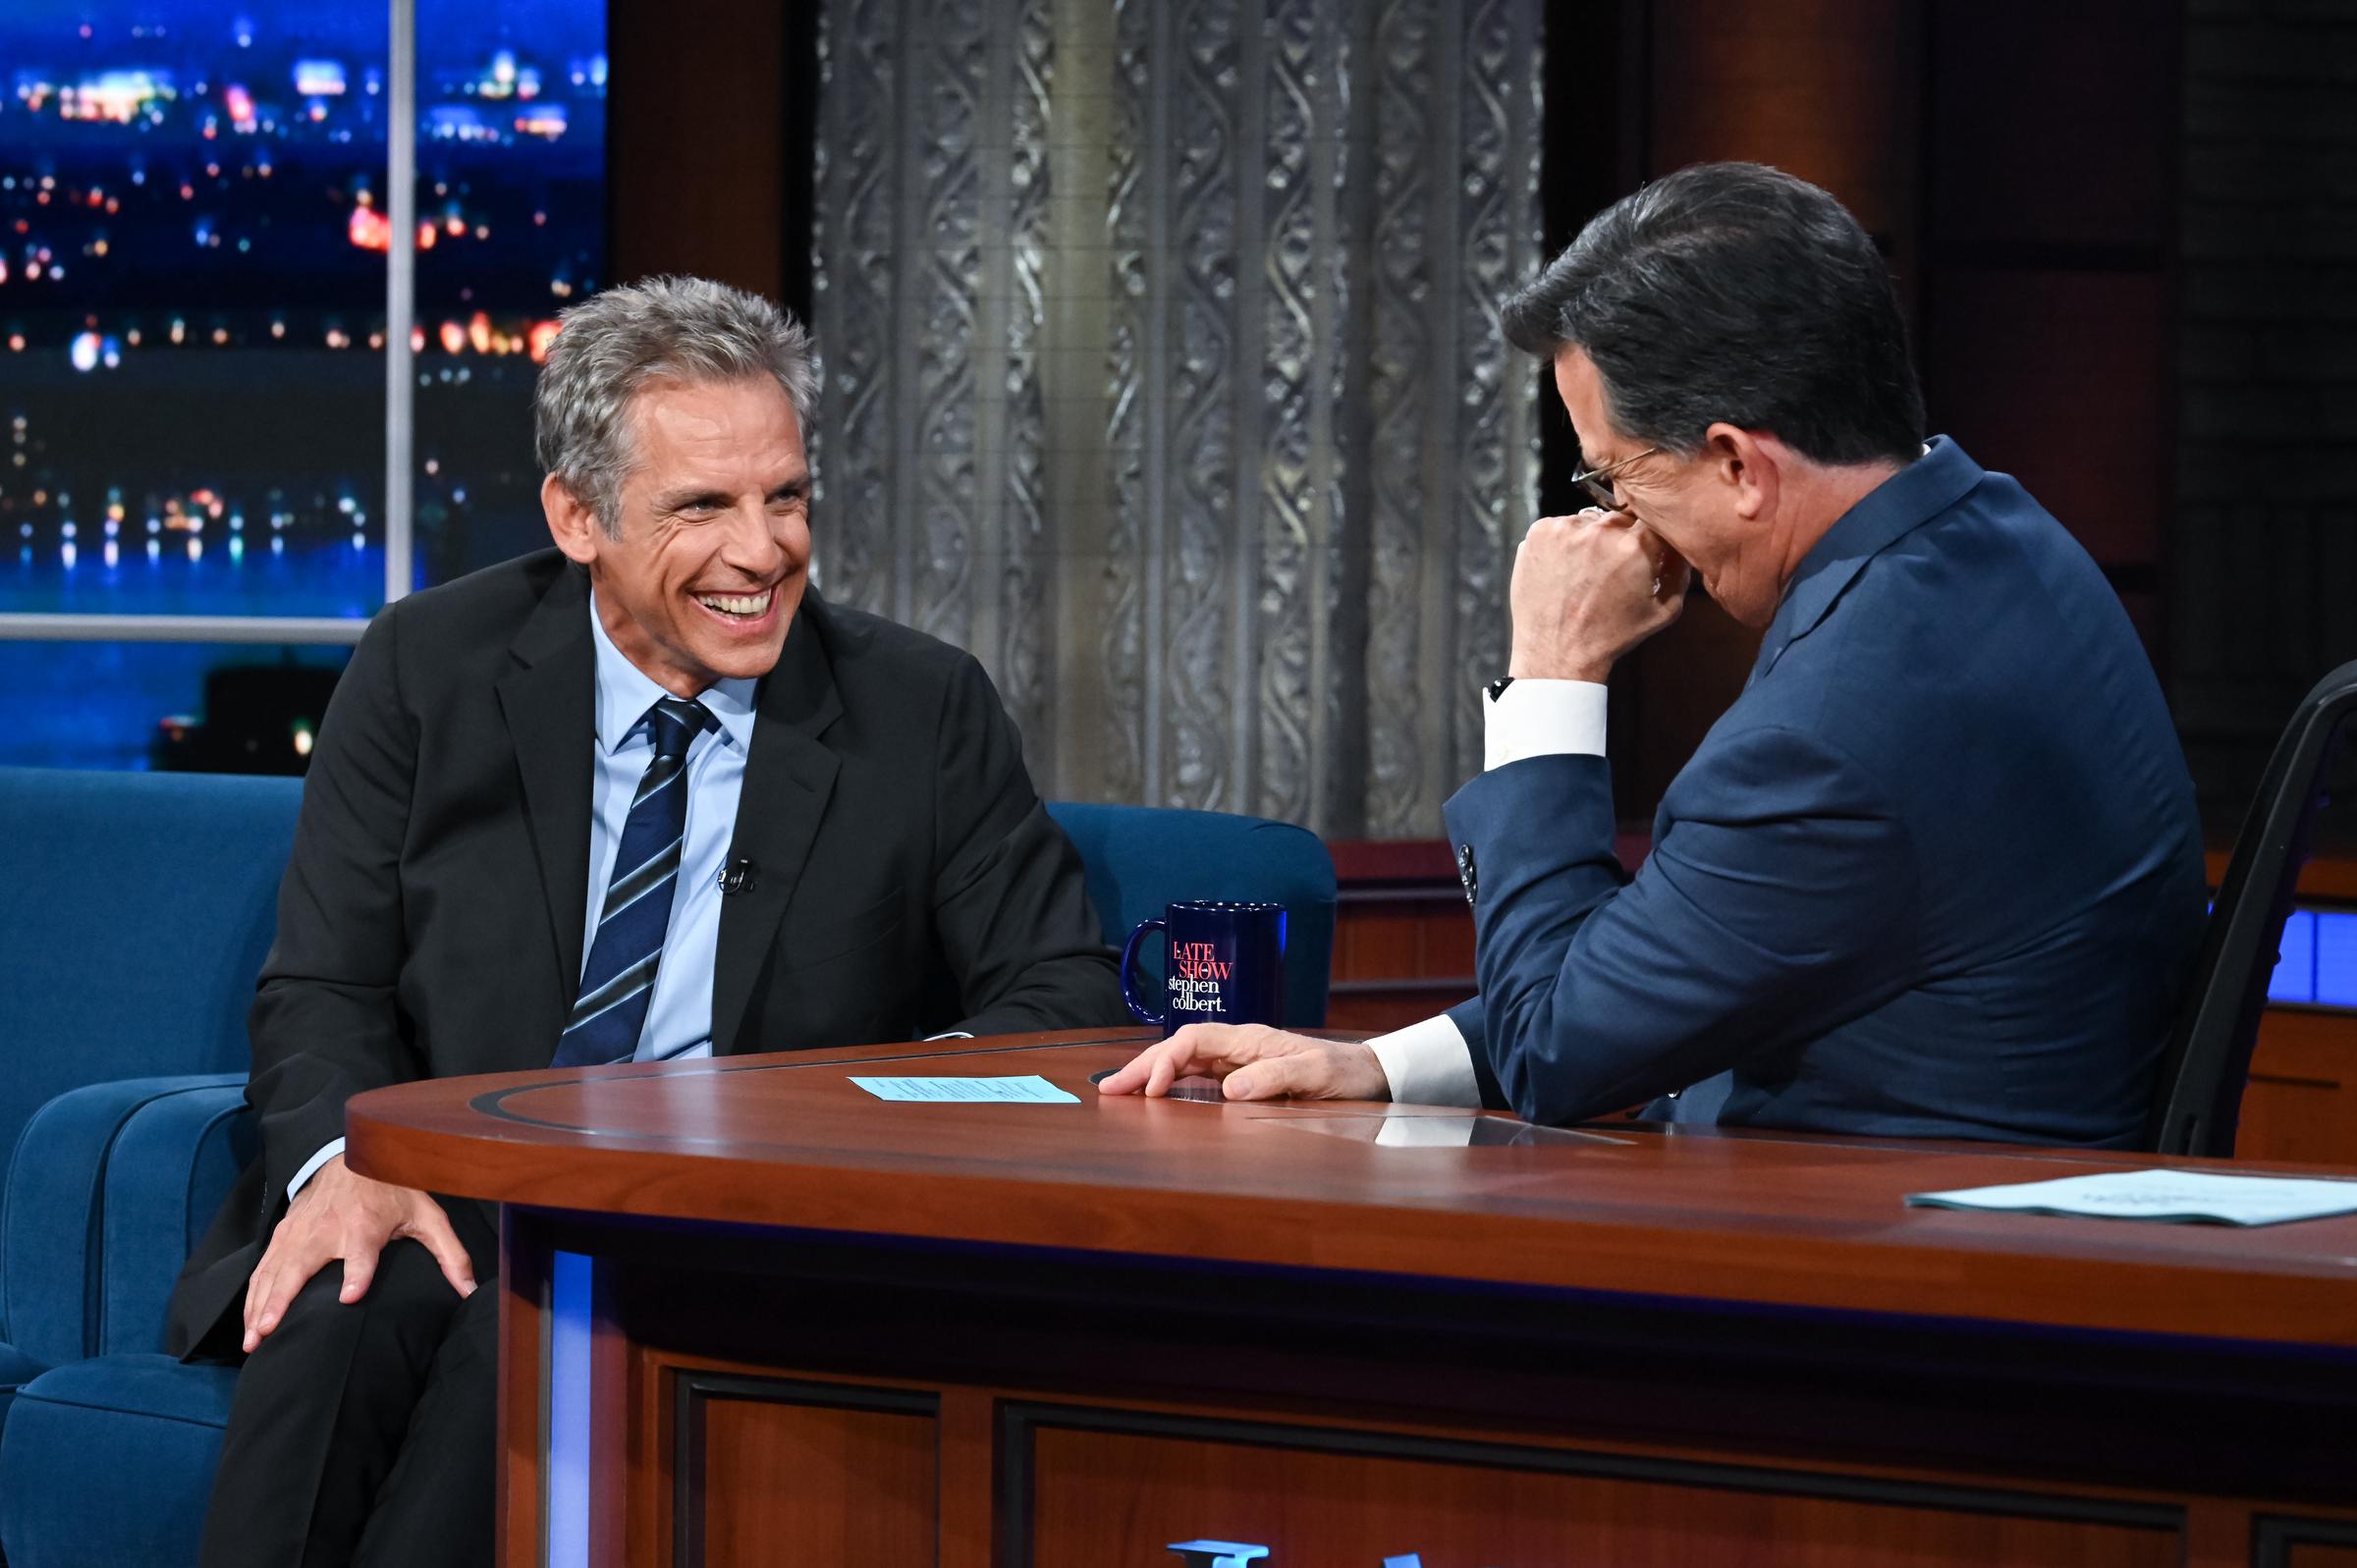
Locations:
column 342, row 1215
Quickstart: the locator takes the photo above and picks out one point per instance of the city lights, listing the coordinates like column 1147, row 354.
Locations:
column 196, row 209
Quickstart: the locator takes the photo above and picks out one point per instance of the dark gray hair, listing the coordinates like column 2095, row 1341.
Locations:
column 1732, row 292
column 662, row 329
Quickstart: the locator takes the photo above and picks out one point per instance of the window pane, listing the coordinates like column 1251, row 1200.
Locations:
column 510, row 163
column 192, row 280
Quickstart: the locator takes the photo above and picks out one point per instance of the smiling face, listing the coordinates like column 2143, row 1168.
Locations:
column 715, row 533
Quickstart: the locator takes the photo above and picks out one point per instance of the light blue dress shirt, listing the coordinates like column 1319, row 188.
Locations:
column 679, row 1015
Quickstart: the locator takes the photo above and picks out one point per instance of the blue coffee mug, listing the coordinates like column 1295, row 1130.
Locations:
column 1226, row 965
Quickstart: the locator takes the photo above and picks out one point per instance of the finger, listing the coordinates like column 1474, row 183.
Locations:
column 257, row 1293
column 1127, row 1078
column 1137, row 1075
column 432, row 1227
column 1214, row 1050
column 1198, row 1048
column 1166, row 1068
column 360, row 1272
column 278, row 1291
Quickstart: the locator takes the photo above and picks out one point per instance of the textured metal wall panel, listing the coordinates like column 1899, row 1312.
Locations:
column 1282, row 581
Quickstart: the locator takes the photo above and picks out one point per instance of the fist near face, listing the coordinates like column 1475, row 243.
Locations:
column 1588, row 588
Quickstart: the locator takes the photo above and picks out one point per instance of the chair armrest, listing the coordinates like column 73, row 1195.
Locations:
column 172, row 1164
column 52, row 1219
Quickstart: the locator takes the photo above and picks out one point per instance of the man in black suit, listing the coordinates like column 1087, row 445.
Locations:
column 798, row 826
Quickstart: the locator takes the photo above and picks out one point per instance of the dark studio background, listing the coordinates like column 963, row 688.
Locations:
column 2125, row 231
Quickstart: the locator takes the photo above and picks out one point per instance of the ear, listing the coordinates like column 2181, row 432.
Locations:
column 571, row 523
column 1740, row 460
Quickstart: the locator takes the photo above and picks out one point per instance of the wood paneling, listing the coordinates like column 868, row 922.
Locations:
column 1401, row 954
column 709, row 142
column 778, row 1478
column 2073, row 148
column 2046, row 337
column 1821, row 89
column 2288, row 1541
column 522, row 1288
column 2063, row 378
column 2332, row 878
column 1403, row 935
column 1099, row 1497
column 2301, row 1103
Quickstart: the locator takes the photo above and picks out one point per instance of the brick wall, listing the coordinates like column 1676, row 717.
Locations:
column 2263, row 590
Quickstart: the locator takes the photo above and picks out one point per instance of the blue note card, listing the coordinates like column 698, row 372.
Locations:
column 1030, row 1090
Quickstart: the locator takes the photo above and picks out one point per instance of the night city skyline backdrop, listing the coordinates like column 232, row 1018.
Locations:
column 193, row 275
column 193, row 272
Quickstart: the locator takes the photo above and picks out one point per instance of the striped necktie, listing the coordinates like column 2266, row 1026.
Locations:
column 620, row 978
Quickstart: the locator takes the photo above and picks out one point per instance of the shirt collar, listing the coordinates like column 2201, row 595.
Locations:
column 624, row 692
column 1885, row 514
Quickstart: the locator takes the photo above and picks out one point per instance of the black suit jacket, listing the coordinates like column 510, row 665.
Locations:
column 908, row 881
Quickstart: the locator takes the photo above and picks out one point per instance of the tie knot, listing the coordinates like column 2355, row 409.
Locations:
column 677, row 720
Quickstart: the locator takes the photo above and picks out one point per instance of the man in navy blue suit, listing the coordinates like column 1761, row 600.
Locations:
column 1936, row 873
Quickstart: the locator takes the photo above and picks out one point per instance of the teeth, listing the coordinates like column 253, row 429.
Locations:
column 735, row 604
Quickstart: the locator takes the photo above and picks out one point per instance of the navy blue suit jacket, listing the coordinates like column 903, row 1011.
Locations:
column 1936, row 873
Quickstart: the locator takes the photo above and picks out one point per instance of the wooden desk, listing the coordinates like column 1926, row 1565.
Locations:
column 823, row 1329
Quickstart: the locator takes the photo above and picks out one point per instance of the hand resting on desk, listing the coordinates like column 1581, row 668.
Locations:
column 1253, row 1062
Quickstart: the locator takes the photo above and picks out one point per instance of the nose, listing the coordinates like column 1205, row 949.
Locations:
column 755, row 543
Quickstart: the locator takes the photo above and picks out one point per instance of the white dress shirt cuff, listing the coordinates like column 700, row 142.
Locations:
column 1429, row 1064
column 310, row 1167
column 1544, row 719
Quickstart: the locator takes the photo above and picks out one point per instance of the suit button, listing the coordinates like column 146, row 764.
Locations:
column 1465, row 870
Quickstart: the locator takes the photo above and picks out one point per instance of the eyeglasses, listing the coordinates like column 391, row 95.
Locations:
column 1595, row 482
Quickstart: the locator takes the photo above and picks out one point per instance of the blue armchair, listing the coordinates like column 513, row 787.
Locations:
column 144, row 906
column 135, row 912
column 1139, row 859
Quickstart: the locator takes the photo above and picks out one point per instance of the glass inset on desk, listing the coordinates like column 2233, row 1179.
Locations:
column 1435, row 1129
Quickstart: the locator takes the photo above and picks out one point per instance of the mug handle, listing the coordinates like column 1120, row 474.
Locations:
column 1129, row 958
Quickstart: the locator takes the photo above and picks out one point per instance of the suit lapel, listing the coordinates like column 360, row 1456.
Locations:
column 548, row 699
column 789, row 777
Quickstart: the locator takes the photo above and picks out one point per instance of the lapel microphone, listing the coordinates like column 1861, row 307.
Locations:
column 738, row 877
